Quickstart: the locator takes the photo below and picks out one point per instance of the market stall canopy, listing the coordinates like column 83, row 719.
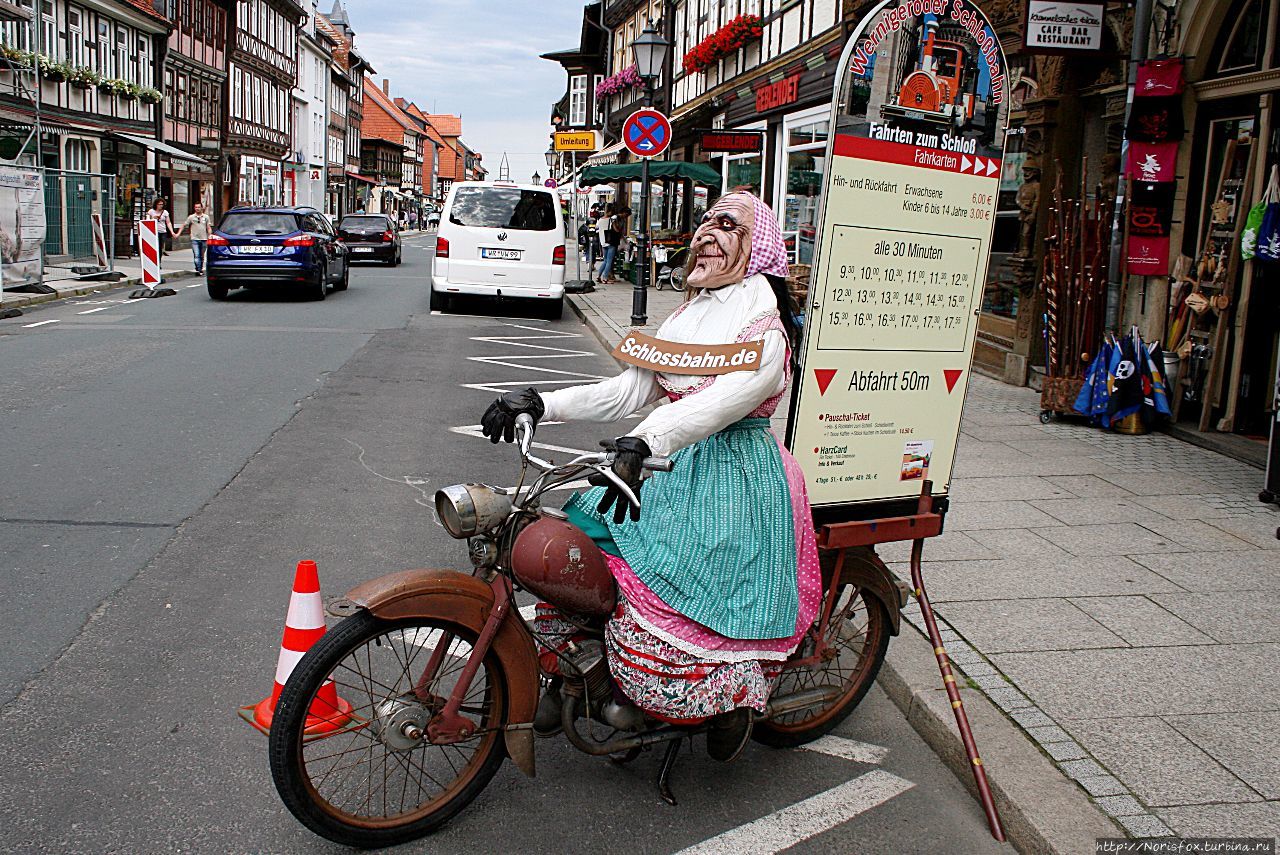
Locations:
column 699, row 172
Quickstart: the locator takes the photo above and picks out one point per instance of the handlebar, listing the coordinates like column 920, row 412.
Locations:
column 601, row 462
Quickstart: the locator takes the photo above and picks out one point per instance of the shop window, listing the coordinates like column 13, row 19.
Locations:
column 805, row 168
column 743, row 172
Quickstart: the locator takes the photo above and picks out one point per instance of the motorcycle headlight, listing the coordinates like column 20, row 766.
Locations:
column 468, row 509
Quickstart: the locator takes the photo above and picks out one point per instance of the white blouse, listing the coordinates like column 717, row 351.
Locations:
column 711, row 317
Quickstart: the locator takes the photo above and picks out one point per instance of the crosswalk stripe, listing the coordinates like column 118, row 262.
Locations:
column 848, row 749
column 797, row 823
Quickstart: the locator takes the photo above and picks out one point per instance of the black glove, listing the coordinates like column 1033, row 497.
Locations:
column 629, row 453
column 499, row 421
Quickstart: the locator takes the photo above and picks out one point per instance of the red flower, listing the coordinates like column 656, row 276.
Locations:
column 735, row 34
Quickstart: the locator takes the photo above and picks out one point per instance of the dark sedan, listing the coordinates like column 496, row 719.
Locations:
column 257, row 247
column 372, row 237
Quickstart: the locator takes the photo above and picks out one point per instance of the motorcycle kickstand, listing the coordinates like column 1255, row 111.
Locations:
column 664, row 773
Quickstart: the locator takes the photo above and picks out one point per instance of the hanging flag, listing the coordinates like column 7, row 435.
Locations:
column 1151, row 161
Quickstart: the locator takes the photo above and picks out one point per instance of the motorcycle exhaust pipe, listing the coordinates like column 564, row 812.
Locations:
column 799, row 701
column 569, row 715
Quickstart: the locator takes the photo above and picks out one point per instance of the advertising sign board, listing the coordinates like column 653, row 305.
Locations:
column 1054, row 26
column 22, row 226
column 731, row 142
column 918, row 120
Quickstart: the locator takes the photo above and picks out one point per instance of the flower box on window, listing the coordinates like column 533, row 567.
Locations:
column 738, row 33
column 627, row 78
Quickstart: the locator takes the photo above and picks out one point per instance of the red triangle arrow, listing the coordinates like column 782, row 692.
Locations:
column 824, row 377
column 952, row 376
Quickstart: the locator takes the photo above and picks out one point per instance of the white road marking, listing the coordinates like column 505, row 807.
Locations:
column 91, row 311
column 197, row 285
column 40, row 323
column 849, row 749
column 796, row 823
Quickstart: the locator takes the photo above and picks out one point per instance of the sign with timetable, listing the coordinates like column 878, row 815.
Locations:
column 915, row 157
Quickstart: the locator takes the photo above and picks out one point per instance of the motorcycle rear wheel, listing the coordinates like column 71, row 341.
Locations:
column 367, row 785
column 858, row 633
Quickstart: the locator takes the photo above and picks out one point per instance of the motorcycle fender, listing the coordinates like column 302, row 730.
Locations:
column 464, row 599
column 862, row 567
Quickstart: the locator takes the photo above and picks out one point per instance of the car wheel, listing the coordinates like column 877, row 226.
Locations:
column 555, row 310
column 345, row 279
column 439, row 302
column 217, row 291
column 317, row 290
column 395, row 259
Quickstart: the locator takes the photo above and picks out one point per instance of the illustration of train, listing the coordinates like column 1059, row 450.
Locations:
column 939, row 84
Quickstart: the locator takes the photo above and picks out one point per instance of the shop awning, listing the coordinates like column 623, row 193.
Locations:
column 700, row 173
column 606, row 155
column 161, row 148
column 357, row 176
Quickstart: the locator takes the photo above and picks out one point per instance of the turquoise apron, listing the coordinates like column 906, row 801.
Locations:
column 716, row 536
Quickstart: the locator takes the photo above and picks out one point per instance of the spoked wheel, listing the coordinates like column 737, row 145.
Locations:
column 857, row 635
column 376, row 779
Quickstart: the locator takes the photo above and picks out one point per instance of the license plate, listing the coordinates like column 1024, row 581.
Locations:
column 362, row 249
column 255, row 250
column 504, row 254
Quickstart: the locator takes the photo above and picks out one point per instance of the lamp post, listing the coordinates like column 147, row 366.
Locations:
column 551, row 162
column 650, row 52
column 537, row 179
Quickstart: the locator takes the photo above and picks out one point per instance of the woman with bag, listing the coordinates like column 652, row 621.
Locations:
column 164, row 224
column 609, row 241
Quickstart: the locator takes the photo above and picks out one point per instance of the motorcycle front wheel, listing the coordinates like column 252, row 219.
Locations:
column 857, row 638
column 375, row 779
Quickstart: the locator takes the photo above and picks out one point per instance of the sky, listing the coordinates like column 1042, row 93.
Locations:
column 478, row 59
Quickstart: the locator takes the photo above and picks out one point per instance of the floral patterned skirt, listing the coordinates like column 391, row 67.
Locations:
column 658, row 677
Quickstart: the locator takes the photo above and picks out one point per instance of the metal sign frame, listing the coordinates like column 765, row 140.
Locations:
column 879, row 26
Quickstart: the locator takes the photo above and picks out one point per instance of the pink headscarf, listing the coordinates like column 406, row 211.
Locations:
column 768, row 252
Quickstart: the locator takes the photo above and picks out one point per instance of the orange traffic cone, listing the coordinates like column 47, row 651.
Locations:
column 303, row 627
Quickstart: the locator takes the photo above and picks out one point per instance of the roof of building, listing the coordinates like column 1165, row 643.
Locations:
column 386, row 121
column 448, row 125
column 146, row 8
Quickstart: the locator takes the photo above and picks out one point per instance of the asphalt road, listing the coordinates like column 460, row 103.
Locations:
column 169, row 461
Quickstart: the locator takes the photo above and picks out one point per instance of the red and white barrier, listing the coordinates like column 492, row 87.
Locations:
column 149, row 251
column 99, row 240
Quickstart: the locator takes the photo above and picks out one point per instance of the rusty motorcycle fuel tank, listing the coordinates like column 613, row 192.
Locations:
column 558, row 562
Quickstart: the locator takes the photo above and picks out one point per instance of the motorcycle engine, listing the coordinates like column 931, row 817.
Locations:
column 586, row 662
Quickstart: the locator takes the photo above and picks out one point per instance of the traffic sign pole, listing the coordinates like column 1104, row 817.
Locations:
column 646, row 133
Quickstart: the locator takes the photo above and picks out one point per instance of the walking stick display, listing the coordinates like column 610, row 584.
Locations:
column 1077, row 253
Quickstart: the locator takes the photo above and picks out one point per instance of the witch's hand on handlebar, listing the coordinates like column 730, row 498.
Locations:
column 630, row 454
column 499, row 421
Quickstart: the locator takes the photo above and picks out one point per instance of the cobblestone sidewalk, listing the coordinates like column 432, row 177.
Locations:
column 1117, row 596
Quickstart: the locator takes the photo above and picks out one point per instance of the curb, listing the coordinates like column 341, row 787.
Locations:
column 23, row 301
column 1042, row 810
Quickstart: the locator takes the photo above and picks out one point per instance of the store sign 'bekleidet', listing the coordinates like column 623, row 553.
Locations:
column 915, row 154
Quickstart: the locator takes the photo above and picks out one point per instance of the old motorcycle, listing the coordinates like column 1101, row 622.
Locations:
column 437, row 673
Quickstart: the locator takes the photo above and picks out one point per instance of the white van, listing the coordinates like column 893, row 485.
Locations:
column 500, row 239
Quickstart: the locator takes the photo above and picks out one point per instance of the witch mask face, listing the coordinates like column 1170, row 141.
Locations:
column 721, row 246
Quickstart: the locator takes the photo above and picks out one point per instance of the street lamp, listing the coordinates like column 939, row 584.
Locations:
column 537, row 179
column 551, row 160
column 650, row 52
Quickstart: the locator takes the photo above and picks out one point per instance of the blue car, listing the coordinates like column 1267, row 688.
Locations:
column 265, row 247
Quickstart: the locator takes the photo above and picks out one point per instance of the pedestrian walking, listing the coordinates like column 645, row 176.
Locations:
column 164, row 224
column 199, row 225
column 609, row 241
